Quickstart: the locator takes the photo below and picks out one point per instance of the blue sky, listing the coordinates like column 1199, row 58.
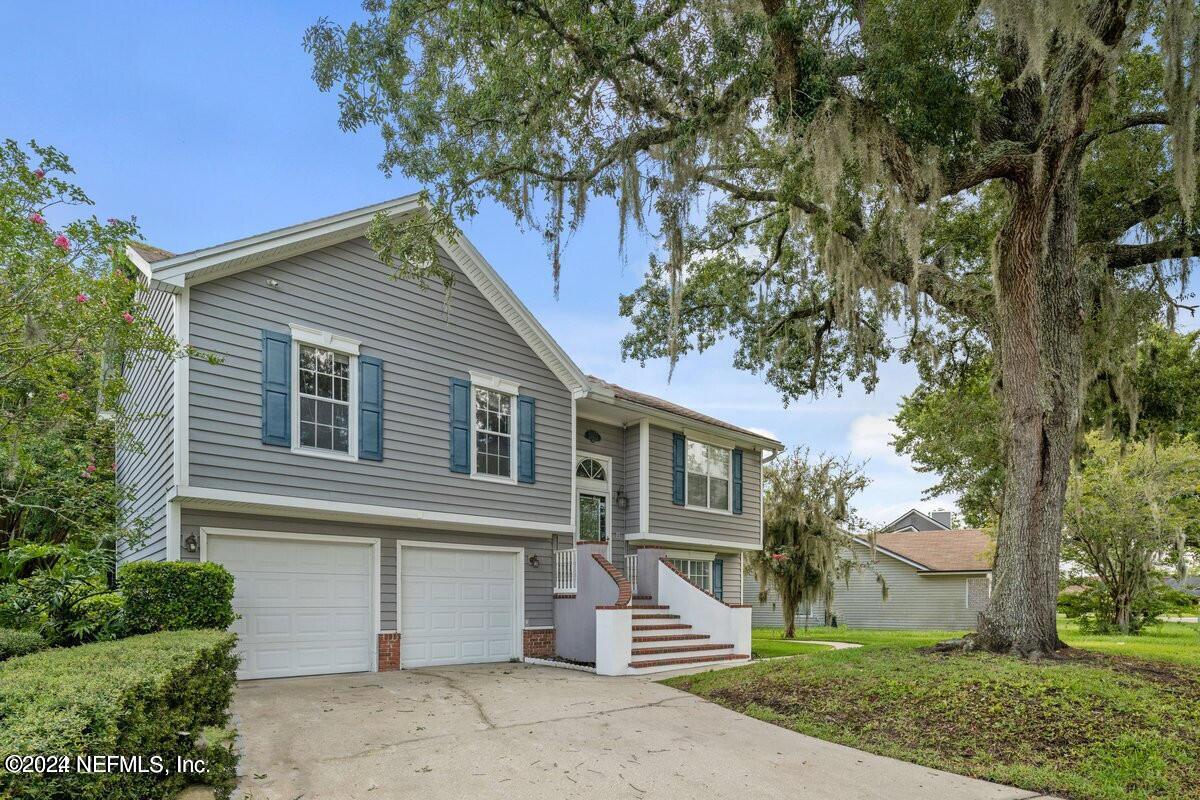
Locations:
column 201, row 119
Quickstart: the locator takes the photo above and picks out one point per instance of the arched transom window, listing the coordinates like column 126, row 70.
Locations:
column 591, row 469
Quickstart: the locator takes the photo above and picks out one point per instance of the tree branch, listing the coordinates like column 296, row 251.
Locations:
column 1132, row 121
column 1129, row 256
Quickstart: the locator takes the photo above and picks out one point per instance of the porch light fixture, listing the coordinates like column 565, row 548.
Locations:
column 191, row 543
column 591, row 436
column 622, row 500
column 534, row 561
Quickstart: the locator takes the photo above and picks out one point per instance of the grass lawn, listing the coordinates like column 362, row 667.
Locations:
column 1096, row 724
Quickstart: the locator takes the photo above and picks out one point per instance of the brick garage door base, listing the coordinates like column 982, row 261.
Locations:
column 539, row 642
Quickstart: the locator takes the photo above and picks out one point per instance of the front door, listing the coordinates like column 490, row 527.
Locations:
column 592, row 496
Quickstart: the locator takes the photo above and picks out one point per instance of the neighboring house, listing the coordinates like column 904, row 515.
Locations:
column 401, row 479
column 937, row 578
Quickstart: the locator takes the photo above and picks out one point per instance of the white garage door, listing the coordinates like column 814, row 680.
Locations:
column 457, row 606
column 306, row 606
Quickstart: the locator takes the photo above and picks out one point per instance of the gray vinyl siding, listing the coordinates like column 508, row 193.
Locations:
column 611, row 445
column 539, row 609
column 667, row 518
column 633, row 480
column 145, row 466
column 915, row 601
column 344, row 289
column 770, row 613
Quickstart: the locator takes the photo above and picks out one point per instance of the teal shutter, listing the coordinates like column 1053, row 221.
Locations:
column 370, row 408
column 460, row 425
column 526, row 439
column 276, row 388
column 678, row 455
column 719, row 579
column 737, row 481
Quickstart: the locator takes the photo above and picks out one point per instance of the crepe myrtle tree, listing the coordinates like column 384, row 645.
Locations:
column 832, row 184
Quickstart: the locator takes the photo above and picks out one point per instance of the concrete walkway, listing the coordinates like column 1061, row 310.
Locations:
column 523, row 731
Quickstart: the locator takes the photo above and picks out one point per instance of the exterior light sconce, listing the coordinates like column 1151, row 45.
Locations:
column 534, row 561
column 591, row 436
column 191, row 543
column 622, row 500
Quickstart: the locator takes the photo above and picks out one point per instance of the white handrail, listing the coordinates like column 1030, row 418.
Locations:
column 631, row 571
column 565, row 571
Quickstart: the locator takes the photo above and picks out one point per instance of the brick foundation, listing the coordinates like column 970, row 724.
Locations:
column 389, row 651
column 539, row 642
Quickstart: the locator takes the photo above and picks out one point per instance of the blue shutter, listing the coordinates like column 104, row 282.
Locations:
column 526, row 440
column 460, row 425
column 678, row 454
column 718, row 569
column 370, row 408
column 276, row 388
column 737, row 481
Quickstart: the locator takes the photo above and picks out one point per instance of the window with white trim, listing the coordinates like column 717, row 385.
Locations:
column 493, row 423
column 698, row 573
column 708, row 475
column 324, row 395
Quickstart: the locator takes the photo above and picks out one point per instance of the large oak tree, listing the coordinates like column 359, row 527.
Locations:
column 833, row 183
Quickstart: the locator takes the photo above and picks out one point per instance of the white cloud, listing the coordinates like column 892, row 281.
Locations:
column 870, row 437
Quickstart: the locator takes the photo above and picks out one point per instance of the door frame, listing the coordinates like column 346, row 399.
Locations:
column 376, row 548
column 584, row 486
column 518, row 577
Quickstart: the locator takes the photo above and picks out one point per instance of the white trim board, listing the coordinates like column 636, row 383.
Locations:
column 376, row 569
column 282, row 505
column 667, row 539
column 519, row 577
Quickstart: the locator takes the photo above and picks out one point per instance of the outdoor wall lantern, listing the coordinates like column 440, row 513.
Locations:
column 591, row 436
column 191, row 543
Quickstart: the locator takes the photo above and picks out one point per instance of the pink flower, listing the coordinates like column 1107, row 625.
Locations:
column 37, row 219
column 64, row 396
column 779, row 556
column 39, row 173
column 62, row 242
column 90, row 468
column 81, row 298
column 128, row 318
column 114, row 466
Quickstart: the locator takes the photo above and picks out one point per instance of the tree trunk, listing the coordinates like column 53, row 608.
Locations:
column 789, row 615
column 1039, row 329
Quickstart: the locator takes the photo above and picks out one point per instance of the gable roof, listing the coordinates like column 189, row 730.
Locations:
column 659, row 404
column 172, row 273
column 894, row 525
column 965, row 550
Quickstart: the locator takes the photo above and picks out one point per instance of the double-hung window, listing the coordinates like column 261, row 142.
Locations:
column 325, row 394
column 698, row 572
column 708, row 476
column 493, row 433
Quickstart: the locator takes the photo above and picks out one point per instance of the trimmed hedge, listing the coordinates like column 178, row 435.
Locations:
column 176, row 595
column 146, row 696
column 15, row 643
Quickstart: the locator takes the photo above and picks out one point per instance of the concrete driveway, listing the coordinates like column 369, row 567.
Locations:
column 516, row 731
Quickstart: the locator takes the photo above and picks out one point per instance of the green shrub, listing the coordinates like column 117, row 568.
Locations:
column 104, row 616
column 1089, row 604
column 176, row 595
column 15, row 643
column 153, row 695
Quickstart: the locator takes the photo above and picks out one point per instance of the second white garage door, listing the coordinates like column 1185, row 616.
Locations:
column 457, row 606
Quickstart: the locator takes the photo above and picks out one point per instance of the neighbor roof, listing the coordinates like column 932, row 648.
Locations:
column 650, row 401
column 965, row 550
column 150, row 253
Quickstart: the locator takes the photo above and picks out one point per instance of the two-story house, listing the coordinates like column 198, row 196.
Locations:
column 398, row 477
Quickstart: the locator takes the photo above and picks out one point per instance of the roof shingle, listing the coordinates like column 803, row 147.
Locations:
column 942, row 551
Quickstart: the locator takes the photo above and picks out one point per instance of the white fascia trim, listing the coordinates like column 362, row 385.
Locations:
column 574, row 462
column 643, row 475
column 518, row 577
column 374, row 543
column 262, row 248
column 147, row 271
column 671, row 539
column 867, row 544
column 494, row 382
column 181, row 422
column 331, row 341
column 282, row 505
column 672, row 422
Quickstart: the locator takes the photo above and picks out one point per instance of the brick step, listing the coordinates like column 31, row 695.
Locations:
column 636, row 607
column 656, row 616
column 663, row 627
column 679, row 648
column 667, row 662
column 642, row 597
column 671, row 637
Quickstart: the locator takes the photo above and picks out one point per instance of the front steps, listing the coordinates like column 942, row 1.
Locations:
column 661, row 642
